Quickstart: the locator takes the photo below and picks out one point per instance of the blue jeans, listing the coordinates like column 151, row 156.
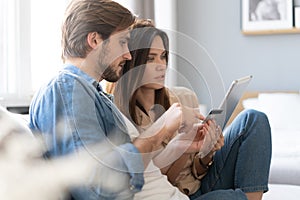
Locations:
column 243, row 163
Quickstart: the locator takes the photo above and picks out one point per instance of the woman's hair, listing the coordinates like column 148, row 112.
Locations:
column 85, row 16
column 141, row 38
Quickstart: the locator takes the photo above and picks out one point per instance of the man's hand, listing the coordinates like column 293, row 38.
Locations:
column 163, row 129
column 172, row 119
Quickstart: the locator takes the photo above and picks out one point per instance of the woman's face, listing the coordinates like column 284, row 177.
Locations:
column 155, row 69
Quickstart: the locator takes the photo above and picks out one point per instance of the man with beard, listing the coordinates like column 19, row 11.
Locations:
column 73, row 113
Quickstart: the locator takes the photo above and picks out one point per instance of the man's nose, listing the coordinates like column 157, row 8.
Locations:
column 127, row 54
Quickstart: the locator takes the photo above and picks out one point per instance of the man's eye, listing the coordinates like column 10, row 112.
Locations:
column 123, row 42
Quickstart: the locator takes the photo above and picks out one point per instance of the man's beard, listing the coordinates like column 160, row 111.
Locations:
column 109, row 74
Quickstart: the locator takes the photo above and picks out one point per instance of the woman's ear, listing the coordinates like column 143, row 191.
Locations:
column 93, row 39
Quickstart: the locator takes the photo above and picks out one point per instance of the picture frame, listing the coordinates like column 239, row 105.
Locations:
column 262, row 15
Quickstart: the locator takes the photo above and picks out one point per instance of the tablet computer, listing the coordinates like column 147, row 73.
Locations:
column 230, row 101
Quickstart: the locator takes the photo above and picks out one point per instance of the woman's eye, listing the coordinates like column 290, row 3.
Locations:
column 150, row 59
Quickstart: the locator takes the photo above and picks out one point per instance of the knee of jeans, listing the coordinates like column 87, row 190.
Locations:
column 257, row 119
column 251, row 117
column 255, row 115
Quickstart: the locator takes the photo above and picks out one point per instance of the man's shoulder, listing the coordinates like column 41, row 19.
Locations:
column 49, row 90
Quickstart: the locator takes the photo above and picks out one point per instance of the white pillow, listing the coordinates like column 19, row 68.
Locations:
column 251, row 103
column 12, row 123
column 282, row 109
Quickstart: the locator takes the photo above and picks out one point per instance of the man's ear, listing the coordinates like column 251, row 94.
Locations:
column 94, row 39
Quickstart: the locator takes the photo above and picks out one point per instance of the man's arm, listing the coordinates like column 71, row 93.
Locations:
column 68, row 119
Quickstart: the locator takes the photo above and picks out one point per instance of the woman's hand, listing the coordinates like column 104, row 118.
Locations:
column 220, row 142
column 191, row 132
column 190, row 116
column 190, row 142
column 213, row 141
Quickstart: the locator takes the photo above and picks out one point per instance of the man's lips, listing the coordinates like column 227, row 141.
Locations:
column 122, row 64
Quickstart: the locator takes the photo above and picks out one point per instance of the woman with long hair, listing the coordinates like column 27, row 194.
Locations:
column 237, row 167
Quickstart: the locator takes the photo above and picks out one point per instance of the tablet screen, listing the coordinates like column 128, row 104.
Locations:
column 231, row 99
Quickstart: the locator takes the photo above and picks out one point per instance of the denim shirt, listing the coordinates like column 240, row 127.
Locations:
column 70, row 113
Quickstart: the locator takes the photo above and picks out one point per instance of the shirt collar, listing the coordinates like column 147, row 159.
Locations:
column 75, row 70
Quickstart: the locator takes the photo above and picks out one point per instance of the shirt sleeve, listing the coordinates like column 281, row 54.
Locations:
column 194, row 170
column 72, row 117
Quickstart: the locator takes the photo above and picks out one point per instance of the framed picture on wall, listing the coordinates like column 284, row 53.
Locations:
column 260, row 15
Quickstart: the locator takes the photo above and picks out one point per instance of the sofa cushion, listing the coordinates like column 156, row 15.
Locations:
column 12, row 123
column 282, row 191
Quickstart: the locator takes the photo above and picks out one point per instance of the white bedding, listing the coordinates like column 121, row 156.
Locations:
column 280, row 192
column 285, row 157
column 283, row 110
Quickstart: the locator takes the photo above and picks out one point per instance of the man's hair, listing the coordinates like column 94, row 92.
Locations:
column 86, row 16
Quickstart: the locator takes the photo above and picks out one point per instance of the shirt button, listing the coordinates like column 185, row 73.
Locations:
column 131, row 187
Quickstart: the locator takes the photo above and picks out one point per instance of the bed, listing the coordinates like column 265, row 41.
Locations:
column 283, row 110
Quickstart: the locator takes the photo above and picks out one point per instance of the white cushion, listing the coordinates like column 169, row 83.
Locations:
column 285, row 170
column 285, row 157
column 282, row 109
column 12, row 123
column 251, row 103
column 281, row 191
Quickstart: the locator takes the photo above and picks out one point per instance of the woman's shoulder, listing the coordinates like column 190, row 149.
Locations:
column 183, row 95
column 180, row 90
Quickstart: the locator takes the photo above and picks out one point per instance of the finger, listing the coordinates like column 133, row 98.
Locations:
column 212, row 129
column 212, row 124
column 208, row 121
column 198, row 125
column 197, row 113
column 191, row 134
column 200, row 134
column 218, row 147
column 202, row 117
column 176, row 104
column 220, row 143
column 219, row 130
column 196, row 146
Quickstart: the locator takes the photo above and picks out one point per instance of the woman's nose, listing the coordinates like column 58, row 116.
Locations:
column 161, row 66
